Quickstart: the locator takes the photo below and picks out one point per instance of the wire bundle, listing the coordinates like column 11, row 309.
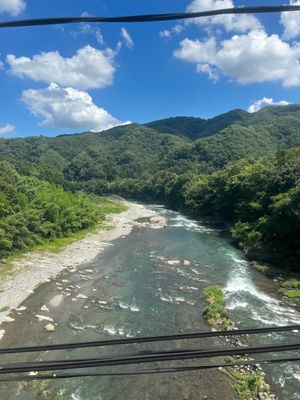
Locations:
column 149, row 17
column 144, row 357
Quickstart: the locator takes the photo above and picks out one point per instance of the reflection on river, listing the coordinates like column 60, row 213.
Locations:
column 151, row 283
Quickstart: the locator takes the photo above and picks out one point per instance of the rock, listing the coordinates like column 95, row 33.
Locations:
column 44, row 308
column 261, row 396
column 22, row 308
column 43, row 318
column 81, row 296
column 49, row 327
column 2, row 333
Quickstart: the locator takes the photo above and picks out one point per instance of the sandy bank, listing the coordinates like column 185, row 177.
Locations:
column 36, row 268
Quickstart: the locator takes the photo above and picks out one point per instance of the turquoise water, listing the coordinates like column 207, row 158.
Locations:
column 150, row 283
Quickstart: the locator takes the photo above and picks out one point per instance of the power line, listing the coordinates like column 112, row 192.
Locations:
column 140, row 358
column 149, row 339
column 148, row 17
column 149, row 371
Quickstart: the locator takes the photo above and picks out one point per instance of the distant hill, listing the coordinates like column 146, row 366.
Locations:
column 195, row 128
column 176, row 144
column 239, row 168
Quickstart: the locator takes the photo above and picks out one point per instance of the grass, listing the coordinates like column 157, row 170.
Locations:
column 3, row 309
column 6, row 269
column 290, row 287
column 215, row 312
column 248, row 384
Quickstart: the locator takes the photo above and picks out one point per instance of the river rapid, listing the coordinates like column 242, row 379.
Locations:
column 150, row 283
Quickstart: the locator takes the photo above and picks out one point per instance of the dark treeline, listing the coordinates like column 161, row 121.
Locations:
column 239, row 169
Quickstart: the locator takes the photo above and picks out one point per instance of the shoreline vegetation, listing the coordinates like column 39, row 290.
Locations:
column 288, row 283
column 29, row 270
column 248, row 381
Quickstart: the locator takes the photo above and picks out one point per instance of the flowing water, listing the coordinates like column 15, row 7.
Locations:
column 151, row 283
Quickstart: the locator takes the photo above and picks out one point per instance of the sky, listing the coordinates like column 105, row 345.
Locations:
column 73, row 78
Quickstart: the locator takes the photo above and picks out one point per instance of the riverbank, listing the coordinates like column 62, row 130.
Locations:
column 248, row 380
column 35, row 268
column 287, row 282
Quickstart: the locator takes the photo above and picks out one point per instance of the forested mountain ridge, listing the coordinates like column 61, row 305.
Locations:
column 131, row 150
column 240, row 168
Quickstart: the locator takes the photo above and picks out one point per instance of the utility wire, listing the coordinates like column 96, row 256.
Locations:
column 149, row 371
column 149, row 339
column 148, row 17
column 140, row 359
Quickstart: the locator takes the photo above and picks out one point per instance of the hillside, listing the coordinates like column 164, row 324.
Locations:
column 237, row 161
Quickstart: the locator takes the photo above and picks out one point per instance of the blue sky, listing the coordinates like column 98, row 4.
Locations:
column 74, row 78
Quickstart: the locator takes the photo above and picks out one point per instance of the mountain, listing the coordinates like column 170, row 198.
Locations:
column 238, row 168
column 178, row 144
column 196, row 128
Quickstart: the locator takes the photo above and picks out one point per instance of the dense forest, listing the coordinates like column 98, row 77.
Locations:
column 33, row 211
column 238, row 169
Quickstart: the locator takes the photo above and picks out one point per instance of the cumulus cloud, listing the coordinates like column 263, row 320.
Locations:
column 67, row 108
column 127, row 38
column 12, row 7
column 249, row 58
column 265, row 101
column 239, row 23
column 88, row 68
column 7, row 129
column 167, row 33
column 291, row 22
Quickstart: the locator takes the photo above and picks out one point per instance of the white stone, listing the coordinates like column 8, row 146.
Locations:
column 49, row 327
column 81, row 296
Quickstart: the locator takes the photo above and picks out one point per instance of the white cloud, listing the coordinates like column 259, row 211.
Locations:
column 88, row 68
column 127, row 38
column 291, row 22
column 168, row 33
column 240, row 23
column 7, row 129
column 254, row 57
column 88, row 29
column 12, row 7
column 67, row 108
column 265, row 101
column 210, row 71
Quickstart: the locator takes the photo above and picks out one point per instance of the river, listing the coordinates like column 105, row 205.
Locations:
column 151, row 283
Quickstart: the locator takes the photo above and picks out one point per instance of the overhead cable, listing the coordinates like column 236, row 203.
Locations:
column 149, row 339
column 149, row 371
column 140, row 358
column 149, row 17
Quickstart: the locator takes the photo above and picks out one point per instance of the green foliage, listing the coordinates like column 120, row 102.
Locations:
column 291, row 289
column 238, row 169
column 291, row 294
column 215, row 312
column 248, row 384
column 34, row 211
column 291, row 284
